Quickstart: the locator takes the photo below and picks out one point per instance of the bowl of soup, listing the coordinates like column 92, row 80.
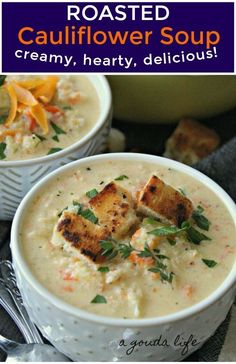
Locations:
column 126, row 257
column 46, row 122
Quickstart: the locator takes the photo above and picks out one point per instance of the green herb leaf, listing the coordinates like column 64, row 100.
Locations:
column 195, row 236
column 67, row 107
column 171, row 241
column 121, row 178
column 168, row 277
column 150, row 221
column 78, row 205
column 161, row 256
column 182, row 191
column 89, row 215
column 61, row 212
column 125, row 250
column 99, row 299
column 168, row 230
column 144, row 254
column 2, row 149
column 3, row 119
column 209, row 263
column 40, row 137
column 2, row 79
column 54, row 150
column 57, row 129
column 55, row 137
column 201, row 221
column 106, row 245
column 109, row 248
column 200, row 209
column 103, row 269
column 92, row 193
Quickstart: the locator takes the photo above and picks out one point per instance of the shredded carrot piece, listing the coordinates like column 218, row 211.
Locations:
column 53, row 109
column 32, row 121
column 68, row 289
column 75, row 99
column 68, row 277
column 13, row 107
column 188, row 290
column 134, row 258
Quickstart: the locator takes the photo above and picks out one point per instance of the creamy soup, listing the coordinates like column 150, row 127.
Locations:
column 128, row 239
column 41, row 115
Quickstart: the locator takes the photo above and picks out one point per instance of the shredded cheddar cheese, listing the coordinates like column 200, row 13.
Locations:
column 13, row 107
column 39, row 114
column 46, row 91
column 32, row 95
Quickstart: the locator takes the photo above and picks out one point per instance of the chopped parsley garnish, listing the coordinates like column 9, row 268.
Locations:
column 57, row 129
column 196, row 236
column 121, row 178
column 168, row 277
column 92, row 193
column 112, row 248
column 86, row 213
column 2, row 150
column 169, row 230
column 171, row 241
column 201, row 221
column 89, row 215
column 3, row 119
column 193, row 235
column 55, row 137
column 99, row 299
column 150, row 221
column 200, row 209
column 61, row 212
column 54, row 150
column 78, row 205
column 182, row 191
column 67, row 107
column 40, row 137
column 103, row 269
column 2, row 79
column 209, row 263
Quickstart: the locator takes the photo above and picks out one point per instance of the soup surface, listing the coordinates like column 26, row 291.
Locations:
column 128, row 240
column 41, row 115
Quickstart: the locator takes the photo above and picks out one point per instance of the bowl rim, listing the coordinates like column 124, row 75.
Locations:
column 21, row 264
column 103, row 115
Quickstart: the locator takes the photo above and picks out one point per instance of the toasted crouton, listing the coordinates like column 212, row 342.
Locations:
column 191, row 142
column 162, row 201
column 114, row 208
column 76, row 234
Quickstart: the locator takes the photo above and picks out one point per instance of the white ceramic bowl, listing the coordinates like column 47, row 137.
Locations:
column 84, row 336
column 17, row 177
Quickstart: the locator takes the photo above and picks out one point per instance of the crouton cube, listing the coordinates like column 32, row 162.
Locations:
column 191, row 142
column 78, row 235
column 162, row 201
column 114, row 208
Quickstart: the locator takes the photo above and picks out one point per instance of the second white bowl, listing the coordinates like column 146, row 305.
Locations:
column 18, row 177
